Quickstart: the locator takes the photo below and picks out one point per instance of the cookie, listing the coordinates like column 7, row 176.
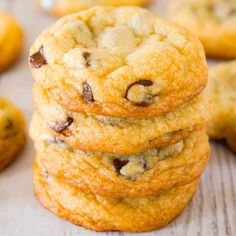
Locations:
column 213, row 21
column 120, row 135
column 122, row 62
column 103, row 214
column 143, row 174
column 64, row 7
column 11, row 40
column 222, row 93
column 12, row 136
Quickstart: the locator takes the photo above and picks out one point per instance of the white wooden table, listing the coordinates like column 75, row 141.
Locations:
column 211, row 212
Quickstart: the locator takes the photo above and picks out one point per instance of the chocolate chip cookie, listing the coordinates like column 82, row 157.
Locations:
column 12, row 136
column 11, row 40
column 145, row 174
column 222, row 93
column 120, row 135
column 63, row 7
column 122, row 62
column 99, row 213
column 213, row 21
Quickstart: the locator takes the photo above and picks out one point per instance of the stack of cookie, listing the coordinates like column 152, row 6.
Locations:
column 119, row 121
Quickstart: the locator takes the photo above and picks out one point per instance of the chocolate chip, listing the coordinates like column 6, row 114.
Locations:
column 87, row 93
column 144, row 82
column 148, row 99
column 55, row 140
column 37, row 60
column 46, row 174
column 87, row 58
column 143, row 163
column 10, row 130
column 60, row 127
column 9, row 125
column 118, row 164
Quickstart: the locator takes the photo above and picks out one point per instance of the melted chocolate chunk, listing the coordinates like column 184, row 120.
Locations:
column 37, row 60
column 118, row 164
column 148, row 98
column 87, row 93
column 55, row 140
column 87, row 58
column 60, row 127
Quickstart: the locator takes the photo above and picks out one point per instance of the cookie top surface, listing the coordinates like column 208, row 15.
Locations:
column 11, row 40
column 63, row 7
column 213, row 21
column 121, row 62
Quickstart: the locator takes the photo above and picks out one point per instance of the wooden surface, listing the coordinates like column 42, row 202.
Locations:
column 211, row 212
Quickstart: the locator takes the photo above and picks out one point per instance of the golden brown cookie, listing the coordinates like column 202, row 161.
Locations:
column 213, row 21
column 64, row 7
column 122, row 62
column 11, row 40
column 222, row 93
column 12, row 136
column 102, row 214
column 120, row 135
column 144, row 174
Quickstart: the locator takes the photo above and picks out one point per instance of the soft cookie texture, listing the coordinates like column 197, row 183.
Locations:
column 213, row 21
column 63, row 7
column 12, row 136
column 222, row 93
column 122, row 62
column 119, row 135
column 144, row 174
column 11, row 40
column 98, row 213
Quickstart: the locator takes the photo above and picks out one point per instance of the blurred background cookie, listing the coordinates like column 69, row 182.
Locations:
column 11, row 40
column 12, row 136
column 222, row 93
column 63, row 7
column 213, row 21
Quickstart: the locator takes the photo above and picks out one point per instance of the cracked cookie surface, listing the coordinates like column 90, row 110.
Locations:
column 222, row 94
column 11, row 40
column 122, row 62
column 148, row 173
column 64, row 7
column 103, row 214
column 213, row 21
column 119, row 135
column 12, row 136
